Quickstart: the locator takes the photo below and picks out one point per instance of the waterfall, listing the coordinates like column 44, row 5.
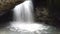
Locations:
column 23, row 12
column 23, row 18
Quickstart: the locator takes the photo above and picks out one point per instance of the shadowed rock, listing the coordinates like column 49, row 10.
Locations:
column 6, row 18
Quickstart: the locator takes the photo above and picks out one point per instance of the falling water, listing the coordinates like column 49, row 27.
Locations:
column 23, row 12
column 23, row 18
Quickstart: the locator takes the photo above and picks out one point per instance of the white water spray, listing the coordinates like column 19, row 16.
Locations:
column 23, row 18
column 23, row 12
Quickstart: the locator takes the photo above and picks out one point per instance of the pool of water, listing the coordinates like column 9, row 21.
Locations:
column 50, row 30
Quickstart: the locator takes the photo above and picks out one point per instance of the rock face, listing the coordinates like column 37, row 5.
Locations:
column 54, row 12
column 8, row 4
column 41, row 15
